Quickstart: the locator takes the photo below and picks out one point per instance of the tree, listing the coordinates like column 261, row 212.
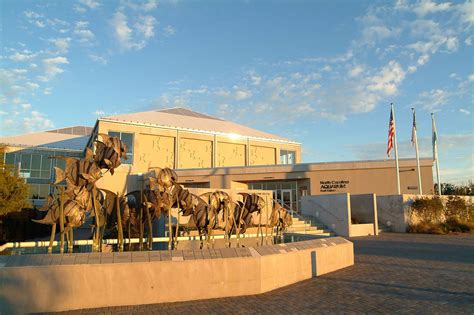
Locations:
column 13, row 188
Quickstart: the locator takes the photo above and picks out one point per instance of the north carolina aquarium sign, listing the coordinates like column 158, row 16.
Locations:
column 333, row 185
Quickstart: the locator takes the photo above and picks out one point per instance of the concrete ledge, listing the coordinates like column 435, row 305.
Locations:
column 45, row 283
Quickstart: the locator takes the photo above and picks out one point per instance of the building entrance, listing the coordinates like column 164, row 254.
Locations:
column 284, row 192
column 286, row 199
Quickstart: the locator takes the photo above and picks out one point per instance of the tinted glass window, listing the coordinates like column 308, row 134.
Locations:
column 127, row 138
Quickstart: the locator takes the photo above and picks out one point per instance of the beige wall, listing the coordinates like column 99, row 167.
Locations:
column 260, row 155
column 155, row 150
column 324, row 178
column 161, row 147
column 117, row 281
column 230, row 154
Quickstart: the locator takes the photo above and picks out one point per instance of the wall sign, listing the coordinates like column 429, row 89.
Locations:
column 333, row 185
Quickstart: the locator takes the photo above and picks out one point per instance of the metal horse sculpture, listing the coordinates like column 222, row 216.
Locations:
column 81, row 194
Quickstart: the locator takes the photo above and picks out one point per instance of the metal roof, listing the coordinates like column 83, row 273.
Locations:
column 188, row 120
column 70, row 138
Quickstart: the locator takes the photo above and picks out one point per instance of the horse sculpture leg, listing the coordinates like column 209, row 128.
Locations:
column 119, row 224
column 140, row 219
column 96, row 246
column 51, row 238
column 170, row 231
column 70, row 241
column 61, row 222
column 150, row 226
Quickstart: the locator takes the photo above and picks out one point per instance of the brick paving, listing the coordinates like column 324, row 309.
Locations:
column 394, row 273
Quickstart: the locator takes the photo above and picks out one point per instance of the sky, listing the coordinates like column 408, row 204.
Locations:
column 322, row 73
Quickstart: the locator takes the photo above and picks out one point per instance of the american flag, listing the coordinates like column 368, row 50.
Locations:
column 391, row 134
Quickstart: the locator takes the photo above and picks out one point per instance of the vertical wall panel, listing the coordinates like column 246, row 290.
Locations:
column 155, row 151
column 195, row 153
column 230, row 154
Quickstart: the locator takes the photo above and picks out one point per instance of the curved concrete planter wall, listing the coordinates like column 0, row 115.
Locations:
column 41, row 283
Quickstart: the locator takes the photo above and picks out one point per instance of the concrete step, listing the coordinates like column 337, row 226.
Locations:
column 312, row 233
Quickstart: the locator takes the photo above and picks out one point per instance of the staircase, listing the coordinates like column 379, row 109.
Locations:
column 308, row 226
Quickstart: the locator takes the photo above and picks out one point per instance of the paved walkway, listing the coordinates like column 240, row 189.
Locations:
column 394, row 273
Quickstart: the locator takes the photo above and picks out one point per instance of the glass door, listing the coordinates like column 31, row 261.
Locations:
column 287, row 199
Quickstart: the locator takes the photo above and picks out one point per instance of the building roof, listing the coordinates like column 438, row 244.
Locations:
column 185, row 119
column 70, row 138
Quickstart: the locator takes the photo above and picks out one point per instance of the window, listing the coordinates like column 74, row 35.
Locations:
column 38, row 191
column 35, row 165
column 287, row 157
column 127, row 138
column 10, row 158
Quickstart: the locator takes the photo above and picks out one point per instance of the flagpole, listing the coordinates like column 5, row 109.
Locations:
column 435, row 151
column 415, row 141
column 396, row 150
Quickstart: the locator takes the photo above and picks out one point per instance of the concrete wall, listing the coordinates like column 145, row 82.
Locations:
column 365, row 229
column 79, row 281
column 364, row 210
column 332, row 210
column 335, row 211
column 393, row 212
column 362, row 177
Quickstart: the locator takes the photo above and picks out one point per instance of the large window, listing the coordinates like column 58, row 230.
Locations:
column 127, row 138
column 38, row 191
column 35, row 165
column 287, row 157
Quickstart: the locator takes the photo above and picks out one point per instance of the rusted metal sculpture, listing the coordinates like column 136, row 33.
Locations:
column 280, row 219
column 253, row 203
column 81, row 194
column 220, row 206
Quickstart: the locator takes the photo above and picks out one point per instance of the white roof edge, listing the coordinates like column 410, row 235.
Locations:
column 195, row 130
column 39, row 147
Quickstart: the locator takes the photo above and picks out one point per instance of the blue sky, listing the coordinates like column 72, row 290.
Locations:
column 322, row 73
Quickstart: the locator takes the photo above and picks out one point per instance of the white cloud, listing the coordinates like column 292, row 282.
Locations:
column 434, row 99
column 452, row 44
column 145, row 26
column 36, row 121
column 388, row 79
column 99, row 113
column 26, row 106
column 464, row 111
column 22, row 56
column 48, row 91
column 84, row 34
column 135, row 38
column 242, row 94
column 123, row 33
column 471, row 77
column 150, row 5
column 356, row 70
column 32, row 15
column 32, row 85
column 62, row 44
column 423, row 59
column 168, row 30
column 52, row 67
column 468, row 41
column 91, row 4
column 425, row 7
column 98, row 59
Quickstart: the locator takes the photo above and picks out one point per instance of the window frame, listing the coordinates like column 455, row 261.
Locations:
column 129, row 160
